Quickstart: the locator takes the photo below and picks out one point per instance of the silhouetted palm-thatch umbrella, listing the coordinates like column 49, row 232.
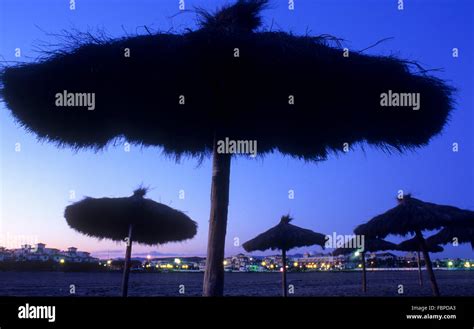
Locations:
column 453, row 234
column 133, row 218
column 412, row 216
column 414, row 246
column 284, row 237
column 370, row 245
column 226, row 81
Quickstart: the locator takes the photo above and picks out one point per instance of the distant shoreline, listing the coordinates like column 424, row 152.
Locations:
column 408, row 269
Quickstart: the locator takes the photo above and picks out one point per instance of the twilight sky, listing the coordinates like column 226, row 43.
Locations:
column 331, row 196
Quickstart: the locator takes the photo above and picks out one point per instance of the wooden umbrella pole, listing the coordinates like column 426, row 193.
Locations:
column 283, row 273
column 126, row 266
column 420, row 275
column 429, row 266
column 214, row 274
column 364, row 278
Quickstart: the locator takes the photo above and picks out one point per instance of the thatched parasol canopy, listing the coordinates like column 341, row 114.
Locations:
column 413, row 245
column 227, row 80
column 451, row 234
column 110, row 218
column 138, row 97
column 285, row 236
column 370, row 245
column 131, row 219
column 411, row 215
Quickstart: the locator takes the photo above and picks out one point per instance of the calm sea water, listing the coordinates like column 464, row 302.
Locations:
column 451, row 283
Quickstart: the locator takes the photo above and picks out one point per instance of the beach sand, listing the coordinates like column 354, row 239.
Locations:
column 452, row 283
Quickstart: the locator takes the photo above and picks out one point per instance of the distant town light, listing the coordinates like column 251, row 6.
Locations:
column 109, row 262
column 225, row 263
column 148, row 257
column 357, row 253
column 61, row 261
column 360, row 265
column 467, row 264
column 177, row 261
column 450, row 263
column 295, row 264
column 263, row 263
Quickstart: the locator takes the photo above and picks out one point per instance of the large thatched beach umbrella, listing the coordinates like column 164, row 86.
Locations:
column 284, row 237
column 370, row 245
column 225, row 84
column 133, row 218
column 412, row 216
column 413, row 245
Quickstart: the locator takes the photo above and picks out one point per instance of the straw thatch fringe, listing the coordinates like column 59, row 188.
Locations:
column 412, row 215
column 453, row 235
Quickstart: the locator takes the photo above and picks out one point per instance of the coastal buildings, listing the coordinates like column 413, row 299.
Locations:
column 172, row 264
column 5, row 255
column 39, row 253
column 320, row 261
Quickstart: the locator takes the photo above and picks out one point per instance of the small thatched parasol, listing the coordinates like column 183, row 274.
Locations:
column 370, row 245
column 187, row 92
column 453, row 234
column 413, row 245
column 412, row 216
column 284, row 237
column 133, row 218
